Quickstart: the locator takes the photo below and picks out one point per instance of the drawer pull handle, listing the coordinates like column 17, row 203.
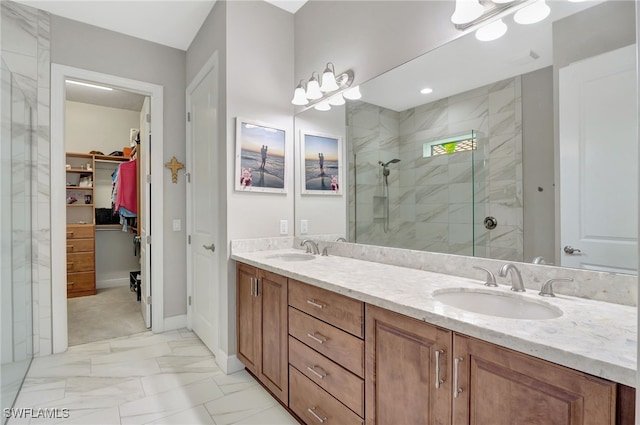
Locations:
column 69, row 247
column 315, row 303
column 70, row 265
column 317, row 337
column 69, row 233
column 456, row 386
column 322, row 374
column 439, row 381
column 320, row 419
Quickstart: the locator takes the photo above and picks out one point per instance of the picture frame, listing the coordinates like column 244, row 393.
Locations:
column 321, row 159
column 260, row 157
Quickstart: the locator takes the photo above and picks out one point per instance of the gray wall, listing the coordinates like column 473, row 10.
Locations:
column 369, row 37
column 96, row 49
column 537, row 165
column 255, row 48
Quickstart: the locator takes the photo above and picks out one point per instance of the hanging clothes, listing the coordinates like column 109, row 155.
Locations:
column 127, row 190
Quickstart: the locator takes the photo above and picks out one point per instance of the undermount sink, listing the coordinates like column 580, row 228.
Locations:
column 496, row 304
column 292, row 256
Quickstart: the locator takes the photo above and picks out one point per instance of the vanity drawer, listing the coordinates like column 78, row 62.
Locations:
column 84, row 281
column 80, row 231
column 337, row 381
column 80, row 262
column 339, row 346
column 340, row 311
column 314, row 405
column 80, row 245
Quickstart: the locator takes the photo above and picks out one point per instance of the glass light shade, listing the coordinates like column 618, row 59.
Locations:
column 533, row 13
column 313, row 88
column 299, row 97
column 492, row 31
column 352, row 94
column 329, row 80
column 467, row 11
column 336, row 100
column 322, row 106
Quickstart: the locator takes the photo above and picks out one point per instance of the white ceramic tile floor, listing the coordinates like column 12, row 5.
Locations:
column 145, row 378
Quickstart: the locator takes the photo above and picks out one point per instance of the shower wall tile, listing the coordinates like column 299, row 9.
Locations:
column 25, row 48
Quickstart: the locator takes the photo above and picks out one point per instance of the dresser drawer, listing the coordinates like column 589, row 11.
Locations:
column 84, row 281
column 333, row 378
column 80, row 245
column 341, row 347
column 80, row 231
column 80, row 262
column 314, row 405
column 340, row 311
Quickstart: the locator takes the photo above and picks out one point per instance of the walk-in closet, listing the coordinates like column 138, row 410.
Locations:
column 103, row 129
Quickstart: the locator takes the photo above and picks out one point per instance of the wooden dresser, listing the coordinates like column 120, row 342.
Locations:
column 81, row 273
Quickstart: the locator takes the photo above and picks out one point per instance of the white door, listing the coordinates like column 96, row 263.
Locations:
column 144, row 216
column 202, row 205
column 599, row 162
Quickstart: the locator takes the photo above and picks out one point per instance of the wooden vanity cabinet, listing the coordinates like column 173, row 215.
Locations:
column 401, row 370
column 262, row 327
column 504, row 387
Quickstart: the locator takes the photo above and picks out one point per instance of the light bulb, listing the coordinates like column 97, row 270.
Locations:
column 337, row 100
column 492, row 31
column 466, row 11
column 329, row 80
column 322, row 106
column 299, row 96
column 533, row 13
column 313, row 88
column 353, row 93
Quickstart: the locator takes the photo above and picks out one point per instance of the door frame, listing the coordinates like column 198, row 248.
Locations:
column 210, row 66
column 58, row 210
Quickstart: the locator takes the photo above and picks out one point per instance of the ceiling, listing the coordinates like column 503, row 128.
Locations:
column 173, row 23
column 116, row 98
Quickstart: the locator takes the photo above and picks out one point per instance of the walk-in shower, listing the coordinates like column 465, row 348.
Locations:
column 385, row 190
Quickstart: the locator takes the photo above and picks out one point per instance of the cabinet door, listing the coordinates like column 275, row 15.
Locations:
column 248, row 317
column 273, row 370
column 502, row 387
column 401, row 370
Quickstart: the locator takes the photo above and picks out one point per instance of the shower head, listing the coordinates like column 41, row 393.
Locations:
column 393, row 161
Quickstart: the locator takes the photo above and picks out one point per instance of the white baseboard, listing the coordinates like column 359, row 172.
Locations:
column 111, row 283
column 175, row 322
column 228, row 364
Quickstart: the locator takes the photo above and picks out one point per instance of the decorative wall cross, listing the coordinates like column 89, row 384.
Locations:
column 174, row 166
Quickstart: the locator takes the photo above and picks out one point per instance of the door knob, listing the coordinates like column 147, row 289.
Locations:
column 211, row 247
column 570, row 250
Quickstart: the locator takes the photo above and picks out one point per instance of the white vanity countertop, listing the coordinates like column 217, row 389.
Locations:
column 595, row 337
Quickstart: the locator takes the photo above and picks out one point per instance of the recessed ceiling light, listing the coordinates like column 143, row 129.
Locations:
column 80, row 83
column 426, row 90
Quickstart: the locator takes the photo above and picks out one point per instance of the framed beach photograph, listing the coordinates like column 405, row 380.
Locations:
column 260, row 157
column 321, row 159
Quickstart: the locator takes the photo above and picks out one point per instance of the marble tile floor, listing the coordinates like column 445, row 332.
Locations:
column 145, row 378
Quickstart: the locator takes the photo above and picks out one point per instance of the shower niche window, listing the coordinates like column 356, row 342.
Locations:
column 455, row 144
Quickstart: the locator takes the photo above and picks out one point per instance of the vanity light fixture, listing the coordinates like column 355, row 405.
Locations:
column 353, row 93
column 313, row 87
column 93, row 86
column 490, row 22
column 533, row 13
column 330, row 92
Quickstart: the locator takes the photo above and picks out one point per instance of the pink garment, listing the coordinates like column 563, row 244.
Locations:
column 127, row 192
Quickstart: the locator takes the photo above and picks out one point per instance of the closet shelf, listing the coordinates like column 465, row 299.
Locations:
column 79, row 187
column 78, row 170
column 80, row 205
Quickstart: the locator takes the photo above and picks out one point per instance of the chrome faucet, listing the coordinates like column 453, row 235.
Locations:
column 341, row 239
column 516, row 277
column 539, row 260
column 547, row 288
column 312, row 247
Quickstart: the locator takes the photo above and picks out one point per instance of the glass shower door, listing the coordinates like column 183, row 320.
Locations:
column 16, row 349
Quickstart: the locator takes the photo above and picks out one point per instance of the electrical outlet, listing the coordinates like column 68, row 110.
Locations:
column 304, row 227
column 177, row 225
column 284, row 227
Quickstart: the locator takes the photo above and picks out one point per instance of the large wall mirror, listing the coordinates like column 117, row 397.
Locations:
column 526, row 149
